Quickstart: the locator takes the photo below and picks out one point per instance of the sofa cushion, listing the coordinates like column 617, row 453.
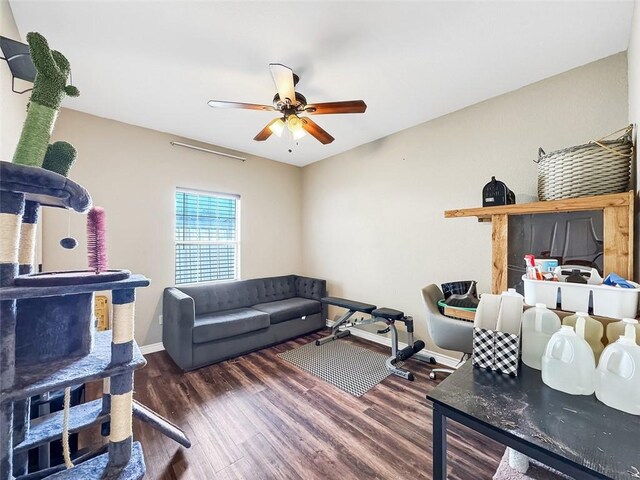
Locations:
column 229, row 323
column 283, row 310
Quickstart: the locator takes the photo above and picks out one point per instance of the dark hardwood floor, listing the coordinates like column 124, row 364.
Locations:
column 259, row 417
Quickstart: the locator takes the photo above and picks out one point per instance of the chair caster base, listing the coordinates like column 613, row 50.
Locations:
column 432, row 376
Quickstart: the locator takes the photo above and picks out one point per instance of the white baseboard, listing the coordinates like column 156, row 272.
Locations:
column 152, row 348
column 423, row 354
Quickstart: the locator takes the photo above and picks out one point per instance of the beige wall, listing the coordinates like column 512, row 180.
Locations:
column 373, row 221
column 133, row 172
column 634, row 112
column 13, row 107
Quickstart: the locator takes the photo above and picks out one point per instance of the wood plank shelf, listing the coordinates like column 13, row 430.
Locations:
column 98, row 468
column 599, row 202
column 49, row 427
column 618, row 220
column 37, row 379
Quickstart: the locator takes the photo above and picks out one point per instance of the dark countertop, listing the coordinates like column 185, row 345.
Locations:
column 578, row 428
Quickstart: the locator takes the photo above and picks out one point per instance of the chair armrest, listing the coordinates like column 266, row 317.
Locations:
column 178, row 307
column 178, row 314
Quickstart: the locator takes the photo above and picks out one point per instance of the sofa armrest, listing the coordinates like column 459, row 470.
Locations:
column 178, row 313
column 311, row 288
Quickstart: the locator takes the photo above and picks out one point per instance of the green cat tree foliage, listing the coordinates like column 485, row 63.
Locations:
column 59, row 158
column 49, row 88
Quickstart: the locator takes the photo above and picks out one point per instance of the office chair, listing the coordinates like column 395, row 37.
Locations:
column 447, row 333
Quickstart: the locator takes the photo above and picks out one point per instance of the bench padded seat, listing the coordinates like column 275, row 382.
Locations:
column 349, row 304
column 283, row 310
column 388, row 313
column 229, row 323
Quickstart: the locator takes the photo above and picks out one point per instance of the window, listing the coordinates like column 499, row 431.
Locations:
column 207, row 240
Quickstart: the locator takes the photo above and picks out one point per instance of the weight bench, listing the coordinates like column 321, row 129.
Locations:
column 384, row 315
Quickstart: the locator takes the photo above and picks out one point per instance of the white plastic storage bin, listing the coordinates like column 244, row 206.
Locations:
column 612, row 302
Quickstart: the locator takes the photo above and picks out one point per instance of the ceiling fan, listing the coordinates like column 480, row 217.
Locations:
column 291, row 105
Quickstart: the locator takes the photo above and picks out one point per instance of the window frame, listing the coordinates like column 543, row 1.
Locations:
column 237, row 241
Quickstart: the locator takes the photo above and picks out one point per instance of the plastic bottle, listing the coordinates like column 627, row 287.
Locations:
column 618, row 374
column 538, row 324
column 510, row 312
column 511, row 292
column 594, row 331
column 568, row 364
column 616, row 329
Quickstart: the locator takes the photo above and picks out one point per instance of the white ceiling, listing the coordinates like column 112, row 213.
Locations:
column 156, row 63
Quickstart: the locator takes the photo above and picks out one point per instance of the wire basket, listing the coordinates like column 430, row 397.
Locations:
column 596, row 168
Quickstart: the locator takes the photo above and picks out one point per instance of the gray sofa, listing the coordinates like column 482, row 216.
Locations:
column 205, row 324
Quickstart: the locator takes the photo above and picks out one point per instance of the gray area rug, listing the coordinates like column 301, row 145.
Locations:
column 536, row 471
column 353, row 369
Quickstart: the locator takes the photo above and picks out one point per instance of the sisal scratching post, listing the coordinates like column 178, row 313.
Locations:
column 28, row 230
column 49, row 88
column 106, row 405
column 121, row 386
column 11, row 210
column 26, row 250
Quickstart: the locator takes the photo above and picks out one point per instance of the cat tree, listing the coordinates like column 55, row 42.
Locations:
column 68, row 352
column 47, row 334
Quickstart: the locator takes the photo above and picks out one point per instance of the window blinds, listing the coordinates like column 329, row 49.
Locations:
column 206, row 237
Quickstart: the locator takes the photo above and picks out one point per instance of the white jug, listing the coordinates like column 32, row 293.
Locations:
column 538, row 324
column 593, row 331
column 568, row 363
column 616, row 329
column 618, row 374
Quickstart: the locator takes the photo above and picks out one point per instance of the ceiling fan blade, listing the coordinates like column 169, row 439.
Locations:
column 246, row 106
column 350, row 106
column 266, row 131
column 313, row 129
column 283, row 78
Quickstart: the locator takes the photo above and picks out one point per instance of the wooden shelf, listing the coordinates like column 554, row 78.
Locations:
column 599, row 202
column 618, row 218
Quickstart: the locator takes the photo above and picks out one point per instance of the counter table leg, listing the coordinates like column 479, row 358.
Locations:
column 439, row 445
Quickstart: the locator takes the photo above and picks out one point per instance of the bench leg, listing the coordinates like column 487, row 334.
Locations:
column 336, row 333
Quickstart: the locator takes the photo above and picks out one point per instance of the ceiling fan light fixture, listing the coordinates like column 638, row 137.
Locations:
column 298, row 134
column 277, row 127
column 294, row 123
